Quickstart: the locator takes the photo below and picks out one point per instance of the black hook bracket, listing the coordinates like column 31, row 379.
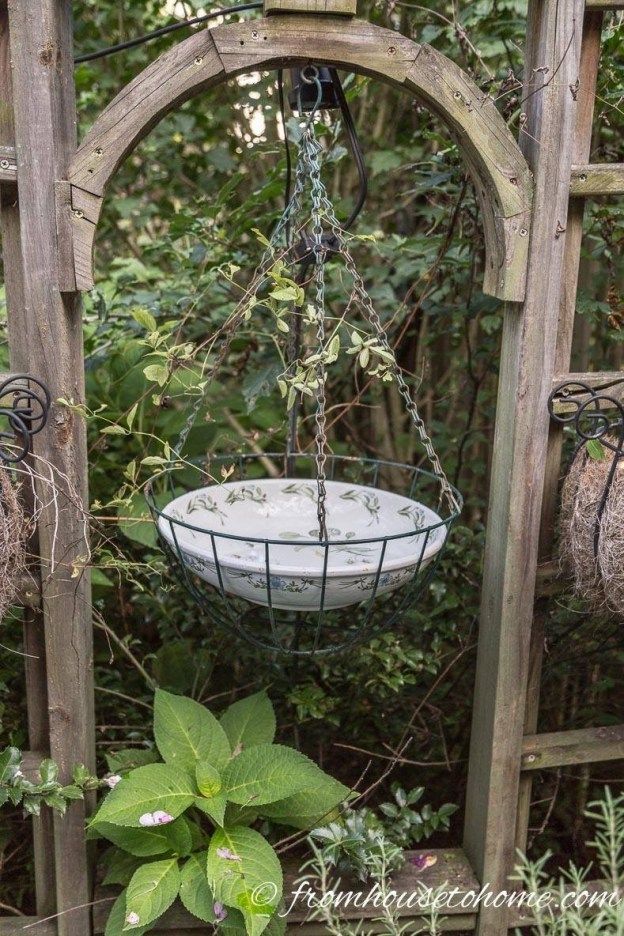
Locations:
column 24, row 407
column 595, row 415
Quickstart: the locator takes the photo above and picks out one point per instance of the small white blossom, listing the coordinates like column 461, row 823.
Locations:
column 133, row 918
column 112, row 781
column 227, row 854
column 155, row 818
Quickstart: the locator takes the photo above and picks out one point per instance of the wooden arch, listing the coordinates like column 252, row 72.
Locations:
column 502, row 178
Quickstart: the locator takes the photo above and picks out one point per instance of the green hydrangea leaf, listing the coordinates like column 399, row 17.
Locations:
column 249, row 721
column 186, row 732
column 152, row 890
column 117, row 919
column 266, row 773
column 121, row 867
column 214, row 807
column 208, row 779
column 305, row 809
column 147, row 790
column 146, row 842
column 245, row 873
column 195, row 892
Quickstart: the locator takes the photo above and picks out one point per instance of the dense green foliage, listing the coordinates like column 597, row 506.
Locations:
column 176, row 244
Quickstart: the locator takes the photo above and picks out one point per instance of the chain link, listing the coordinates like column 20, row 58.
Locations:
column 308, row 170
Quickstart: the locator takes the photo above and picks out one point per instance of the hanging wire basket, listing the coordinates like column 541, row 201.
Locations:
column 249, row 553
column 306, row 554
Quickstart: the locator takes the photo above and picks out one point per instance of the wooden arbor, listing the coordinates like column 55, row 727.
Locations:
column 51, row 201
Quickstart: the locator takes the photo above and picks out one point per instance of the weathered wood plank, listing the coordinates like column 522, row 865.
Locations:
column 450, row 868
column 500, row 172
column 583, row 746
column 605, row 5
column 8, row 162
column 29, row 594
column 611, row 383
column 518, row 467
column 24, row 926
column 597, row 179
column 45, row 128
column 585, row 95
column 325, row 7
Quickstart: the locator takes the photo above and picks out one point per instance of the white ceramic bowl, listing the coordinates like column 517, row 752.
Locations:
column 231, row 522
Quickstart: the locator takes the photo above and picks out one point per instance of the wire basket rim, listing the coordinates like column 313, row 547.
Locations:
column 170, row 471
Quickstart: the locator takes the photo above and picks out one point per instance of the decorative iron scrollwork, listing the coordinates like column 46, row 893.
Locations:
column 595, row 415
column 24, row 407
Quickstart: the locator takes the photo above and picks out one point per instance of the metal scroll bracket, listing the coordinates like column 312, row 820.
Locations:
column 595, row 415
column 24, row 407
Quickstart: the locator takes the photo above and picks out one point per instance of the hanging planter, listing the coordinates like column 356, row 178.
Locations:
column 282, row 560
column 592, row 496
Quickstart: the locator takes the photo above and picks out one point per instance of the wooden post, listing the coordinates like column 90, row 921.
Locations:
column 34, row 643
column 581, row 150
column 50, row 342
column 520, row 446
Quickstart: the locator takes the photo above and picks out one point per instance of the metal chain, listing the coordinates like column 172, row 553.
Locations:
column 371, row 314
column 228, row 331
column 311, row 162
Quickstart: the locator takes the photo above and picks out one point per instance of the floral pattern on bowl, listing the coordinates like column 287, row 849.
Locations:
column 225, row 534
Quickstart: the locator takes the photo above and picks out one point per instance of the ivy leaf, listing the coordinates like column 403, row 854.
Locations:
column 195, row 892
column 251, row 881
column 307, row 808
column 152, row 890
column 145, row 318
column 249, row 721
column 158, row 373
column 186, row 732
column 266, row 773
column 596, row 449
column 117, row 919
column 10, row 759
column 147, row 789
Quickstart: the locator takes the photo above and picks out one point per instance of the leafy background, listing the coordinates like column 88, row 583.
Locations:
column 178, row 219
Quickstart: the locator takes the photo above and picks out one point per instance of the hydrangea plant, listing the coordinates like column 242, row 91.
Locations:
column 184, row 827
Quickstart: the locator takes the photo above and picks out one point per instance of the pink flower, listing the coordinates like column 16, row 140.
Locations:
column 227, row 854
column 112, row 781
column 155, row 818
column 422, row 862
column 219, row 911
column 132, row 919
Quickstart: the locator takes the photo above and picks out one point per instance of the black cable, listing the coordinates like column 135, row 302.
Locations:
column 165, row 30
column 356, row 149
column 288, row 181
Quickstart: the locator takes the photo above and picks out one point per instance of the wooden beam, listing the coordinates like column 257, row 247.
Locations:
column 323, row 7
column 609, row 383
column 563, row 748
column 605, row 5
column 27, row 925
column 597, row 179
column 591, row 47
column 8, row 163
column 528, row 362
column 450, row 868
column 29, row 594
column 50, row 343
column 502, row 179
